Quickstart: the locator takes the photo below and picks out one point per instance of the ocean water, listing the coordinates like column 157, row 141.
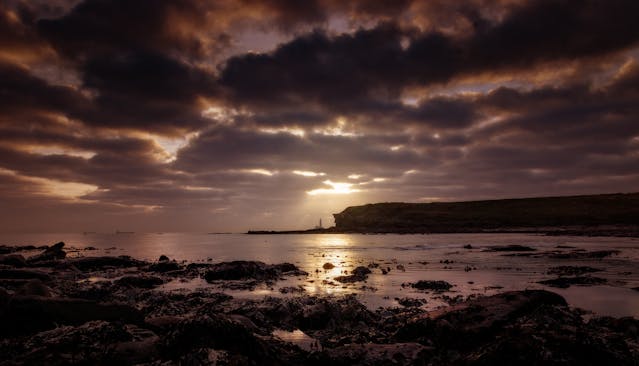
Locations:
column 409, row 258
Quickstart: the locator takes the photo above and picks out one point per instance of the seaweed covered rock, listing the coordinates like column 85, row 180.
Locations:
column 92, row 343
column 377, row 354
column 218, row 332
column 249, row 270
column 483, row 316
column 139, row 281
column 27, row 314
column 54, row 252
column 100, row 263
column 358, row 274
column 24, row 274
column 164, row 266
column 519, row 327
column 431, row 285
column 565, row 282
column 13, row 260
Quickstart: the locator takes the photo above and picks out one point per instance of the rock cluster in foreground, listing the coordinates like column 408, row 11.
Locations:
column 53, row 311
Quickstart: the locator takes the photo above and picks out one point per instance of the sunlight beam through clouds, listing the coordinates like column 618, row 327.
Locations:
column 307, row 173
column 336, row 188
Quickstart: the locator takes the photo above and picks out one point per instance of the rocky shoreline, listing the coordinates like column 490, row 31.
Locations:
column 57, row 310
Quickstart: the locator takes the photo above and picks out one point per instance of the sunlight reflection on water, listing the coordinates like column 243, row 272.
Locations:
column 421, row 257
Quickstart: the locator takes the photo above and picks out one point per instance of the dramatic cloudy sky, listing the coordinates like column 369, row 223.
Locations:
column 187, row 115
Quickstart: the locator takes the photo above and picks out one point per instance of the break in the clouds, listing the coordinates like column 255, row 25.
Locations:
column 234, row 114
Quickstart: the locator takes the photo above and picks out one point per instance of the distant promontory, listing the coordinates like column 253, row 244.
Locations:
column 605, row 214
column 525, row 214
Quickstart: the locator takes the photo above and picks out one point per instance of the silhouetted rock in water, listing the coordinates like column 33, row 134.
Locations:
column 571, row 270
column 580, row 254
column 52, row 253
column 510, row 248
column 245, row 270
column 14, row 260
column 99, row 263
column 138, row 281
column 163, row 258
column 164, row 266
column 565, row 282
column 289, row 269
column 292, row 290
column 468, row 246
column 328, row 265
column 5, row 249
column 410, row 302
column 24, row 274
column 27, row 314
column 358, row 274
column 377, row 354
column 432, row 285
column 636, row 288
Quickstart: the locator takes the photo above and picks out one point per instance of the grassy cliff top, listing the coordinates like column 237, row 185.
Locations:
column 590, row 210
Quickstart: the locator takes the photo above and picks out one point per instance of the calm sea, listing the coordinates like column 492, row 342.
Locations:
column 409, row 257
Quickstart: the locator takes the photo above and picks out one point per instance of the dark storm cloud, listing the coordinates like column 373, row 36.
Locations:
column 21, row 92
column 373, row 63
column 140, row 91
column 147, row 91
column 125, row 161
column 15, row 31
column 133, row 57
column 102, row 27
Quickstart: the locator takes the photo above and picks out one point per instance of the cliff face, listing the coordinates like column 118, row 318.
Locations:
column 594, row 210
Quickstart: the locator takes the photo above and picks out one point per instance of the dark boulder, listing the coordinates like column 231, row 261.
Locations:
column 27, row 314
column 240, row 270
column 328, row 266
column 54, row 252
column 164, row 266
column 289, row 268
column 134, row 281
column 410, row 302
column 321, row 313
column 580, row 254
column 432, row 285
column 510, row 248
column 34, row 287
column 358, row 274
column 474, row 321
column 14, row 260
column 565, row 282
column 163, row 258
column 250, row 270
column 572, row 270
column 99, row 263
column 23, row 274
column 377, row 354
column 92, row 343
column 217, row 332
